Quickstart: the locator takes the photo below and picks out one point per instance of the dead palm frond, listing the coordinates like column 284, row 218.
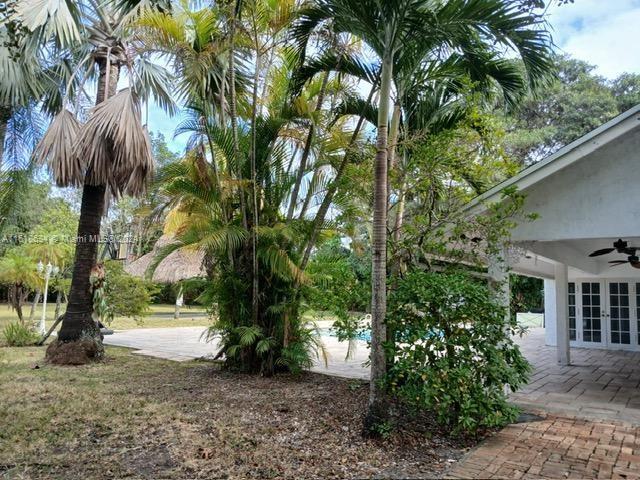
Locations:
column 57, row 150
column 117, row 146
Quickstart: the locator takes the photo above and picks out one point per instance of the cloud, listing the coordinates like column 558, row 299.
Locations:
column 604, row 33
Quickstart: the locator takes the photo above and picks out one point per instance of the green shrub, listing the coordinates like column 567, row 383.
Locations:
column 453, row 352
column 17, row 334
column 342, row 280
column 126, row 295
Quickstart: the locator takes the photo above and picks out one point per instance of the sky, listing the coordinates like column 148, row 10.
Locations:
column 605, row 33
column 602, row 32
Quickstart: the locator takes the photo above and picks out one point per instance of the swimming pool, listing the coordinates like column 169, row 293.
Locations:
column 331, row 332
column 365, row 335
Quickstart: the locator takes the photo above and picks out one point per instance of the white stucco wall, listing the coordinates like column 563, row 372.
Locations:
column 550, row 312
column 590, row 198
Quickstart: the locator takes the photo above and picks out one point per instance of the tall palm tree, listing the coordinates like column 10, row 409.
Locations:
column 110, row 154
column 420, row 30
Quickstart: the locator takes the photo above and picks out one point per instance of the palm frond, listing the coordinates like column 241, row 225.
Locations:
column 57, row 150
column 18, row 77
column 280, row 264
column 357, row 106
column 51, row 18
column 154, row 81
column 344, row 63
column 117, row 146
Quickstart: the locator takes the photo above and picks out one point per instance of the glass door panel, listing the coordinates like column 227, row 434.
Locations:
column 638, row 313
column 619, row 313
column 572, row 311
column 591, row 313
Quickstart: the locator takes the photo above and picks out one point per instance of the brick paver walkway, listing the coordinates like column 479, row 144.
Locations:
column 555, row 447
column 591, row 424
column 598, row 385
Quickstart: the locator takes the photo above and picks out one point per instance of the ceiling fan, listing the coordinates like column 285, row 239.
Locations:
column 633, row 260
column 620, row 246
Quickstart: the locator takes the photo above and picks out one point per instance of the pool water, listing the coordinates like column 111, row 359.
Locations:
column 366, row 335
column 330, row 332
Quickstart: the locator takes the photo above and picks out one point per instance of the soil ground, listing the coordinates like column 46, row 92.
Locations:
column 145, row 418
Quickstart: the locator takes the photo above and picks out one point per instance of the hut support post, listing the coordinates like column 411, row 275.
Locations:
column 179, row 303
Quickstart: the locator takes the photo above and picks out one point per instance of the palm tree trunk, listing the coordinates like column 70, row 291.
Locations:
column 78, row 321
column 233, row 113
column 377, row 409
column 255, row 286
column 18, row 303
column 331, row 190
column 36, row 299
column 307, row 150
column 5, row 115
column 56, row 313
column 179, row 303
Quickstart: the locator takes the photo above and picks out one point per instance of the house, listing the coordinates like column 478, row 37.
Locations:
column 587, row 197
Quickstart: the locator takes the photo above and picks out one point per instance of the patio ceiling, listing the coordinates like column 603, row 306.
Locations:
column 537, row 258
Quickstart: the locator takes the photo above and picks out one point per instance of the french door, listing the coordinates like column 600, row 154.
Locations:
column 604, row 313
column 619, row 314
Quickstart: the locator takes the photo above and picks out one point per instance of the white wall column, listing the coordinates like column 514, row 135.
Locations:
column 562, row 314
column 550, row 312
column 499, row 278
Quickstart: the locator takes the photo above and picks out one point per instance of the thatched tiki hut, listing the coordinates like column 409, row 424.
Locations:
column 179, row 265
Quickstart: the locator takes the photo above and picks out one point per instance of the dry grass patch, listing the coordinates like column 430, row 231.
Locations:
column 137, row 417
column 159, row 316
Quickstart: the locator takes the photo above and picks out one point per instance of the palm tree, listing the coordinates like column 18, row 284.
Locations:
column 238, row 181
column 18, row 271
column 110, row 154
column 398, row 32
column 29, row 90
column 19, row 82
column 279, row 339
column 49, row 251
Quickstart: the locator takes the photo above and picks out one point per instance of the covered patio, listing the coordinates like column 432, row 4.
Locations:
column 585, row 198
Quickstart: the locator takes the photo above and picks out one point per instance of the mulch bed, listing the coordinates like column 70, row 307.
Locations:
column 215, row 424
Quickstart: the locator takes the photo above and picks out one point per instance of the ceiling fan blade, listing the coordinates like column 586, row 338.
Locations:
column 615, row 263
column 602, row 251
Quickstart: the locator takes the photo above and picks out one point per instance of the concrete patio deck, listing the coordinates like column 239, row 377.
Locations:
column 598, row 385
column 186, row 343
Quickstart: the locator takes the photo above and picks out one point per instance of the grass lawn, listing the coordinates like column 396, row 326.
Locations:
column 139, row 417
column 160, row 316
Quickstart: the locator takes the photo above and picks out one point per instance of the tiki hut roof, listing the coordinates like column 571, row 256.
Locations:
column 181, row 264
